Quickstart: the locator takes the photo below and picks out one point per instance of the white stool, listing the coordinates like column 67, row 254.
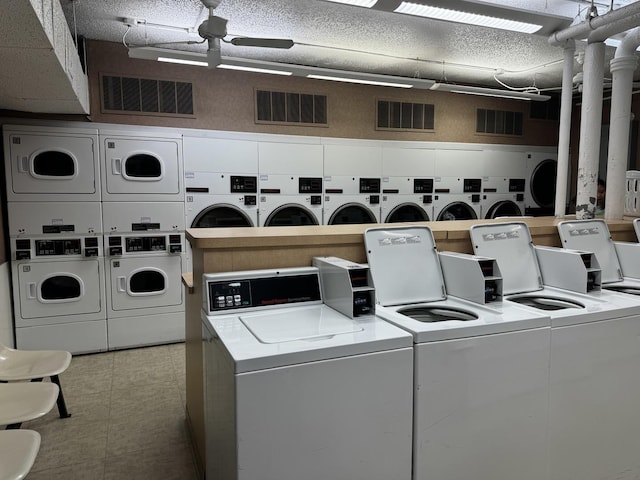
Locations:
column 23, row 401
column 18, row 450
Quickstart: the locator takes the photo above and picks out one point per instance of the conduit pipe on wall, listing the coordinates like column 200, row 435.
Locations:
column 564, row 136
column 623, row 66
column 590, row 126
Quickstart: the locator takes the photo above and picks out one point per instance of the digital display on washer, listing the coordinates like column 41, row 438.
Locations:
column 261, row 292
column 58, row 247
column 146, row 244
column 240, row 184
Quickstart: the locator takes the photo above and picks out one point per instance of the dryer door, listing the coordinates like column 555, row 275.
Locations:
column 50, row 290
column 219, row 215
column 504, row 208
column 45, row 166
column 457, row 211
column 542, row 184
column 142, row 169
column 145, row 282
column 290, row 215
column 407, row 212
column 352, row 213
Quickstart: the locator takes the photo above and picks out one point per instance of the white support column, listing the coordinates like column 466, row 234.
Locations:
column 564, row 136
column 590, row 126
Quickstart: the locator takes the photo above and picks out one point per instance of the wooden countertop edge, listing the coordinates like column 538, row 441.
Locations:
column 187, row 281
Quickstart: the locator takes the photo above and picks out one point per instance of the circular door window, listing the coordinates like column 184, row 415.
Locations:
column 543, row 183
column 54, row 163
column 219, row 216
column 290, row 216
column 352, row 213
column 505, row 208
column 407, row 213
column 142, row 165
column 458, row 211
column 60, row 287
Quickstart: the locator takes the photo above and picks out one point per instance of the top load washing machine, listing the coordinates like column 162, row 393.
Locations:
column 58, row 276
column 540, row 194
column 352, row 183
column 481, row 370
column 295, row 389
column 407, row 185
column 595, row 360
column 290, row 183
column 458, row 185
column 51, row 164
column 141, row 165
column 503, row 183
column 618, row 260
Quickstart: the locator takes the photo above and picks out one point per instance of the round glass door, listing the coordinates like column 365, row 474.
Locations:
column 505, row 208
column 407, row 212
column 352, row 213
column 458, row 211
column 220, row 216
column 290, row 216
column 543, row 183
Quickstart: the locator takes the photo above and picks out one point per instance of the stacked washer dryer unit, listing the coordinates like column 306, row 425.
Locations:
column 540, row 193
column 221, row 183
column 407, row 184
column 352, row 182
column 481, row 367
column 143, row 224
column 53, row 193
column 503, row 183
column 290, row 182
column 458, row 184
column 594, row 359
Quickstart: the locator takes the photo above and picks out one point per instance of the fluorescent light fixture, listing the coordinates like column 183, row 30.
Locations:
column 489, row 92
column 243, row 68
column 357, row 3
column 361, row 81
column 362, row 78
column 446, row 14
column 183, row 61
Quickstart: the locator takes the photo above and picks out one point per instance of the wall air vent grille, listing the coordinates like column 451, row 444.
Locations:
column 291, row 108
column 499, row 122
column 145, row 96
column 392, row 115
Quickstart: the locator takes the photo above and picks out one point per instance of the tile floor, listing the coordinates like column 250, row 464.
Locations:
column 127, row 422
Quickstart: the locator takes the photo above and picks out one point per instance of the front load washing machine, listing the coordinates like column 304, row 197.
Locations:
column 352, row 183
column 290, row 183
column 407, row 185
column 57, row 267
column 458, row 184
column 595, row 360
column 51, row 164
column 296, row 390
column 540, row 195
column 481, row 371
column 141, row 165
column 503, row 184
column 145, row 298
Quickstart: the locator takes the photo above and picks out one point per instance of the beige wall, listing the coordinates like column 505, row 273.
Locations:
column 224, row 100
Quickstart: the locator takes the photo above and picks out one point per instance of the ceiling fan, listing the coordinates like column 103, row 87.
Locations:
column 214, row 30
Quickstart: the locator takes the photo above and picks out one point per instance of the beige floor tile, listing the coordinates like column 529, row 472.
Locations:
column 154, row 400
column 84, row 471
column 157, row 463
column 84, row 408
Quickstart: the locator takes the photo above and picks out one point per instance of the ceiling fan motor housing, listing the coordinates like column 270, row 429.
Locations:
column 213, row 27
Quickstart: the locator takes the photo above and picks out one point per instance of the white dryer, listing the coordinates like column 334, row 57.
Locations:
column 290, row 183
column 352, row 183
column 407, row 185
column 144, row 245
column 458, row 184
column 141, row 165
column 503, row 183
column 481, row 371
column 540, row 195
column 294, row 389
column 595, row 360
column 57, row 267
column 49, row 164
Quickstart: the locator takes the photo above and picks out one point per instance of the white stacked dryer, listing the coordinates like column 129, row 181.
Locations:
column 352, row 182
column 458, row 184
column 503, row 183
column 145, row 299
column 407, row 184
column 290, row 182
column 58, row 276
column 540, row 195
column 221, row 183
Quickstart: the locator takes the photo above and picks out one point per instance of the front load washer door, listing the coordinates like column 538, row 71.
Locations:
column 407, row 212
column 218, row 216
column 543, row 183
column 290, row 216
column 504, row 208
column 352, row 213
column 457, row 211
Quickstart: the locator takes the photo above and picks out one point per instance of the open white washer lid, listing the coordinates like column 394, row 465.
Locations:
column 404, row 265
column 593, row 236
column 511, row 246
column 289, row 326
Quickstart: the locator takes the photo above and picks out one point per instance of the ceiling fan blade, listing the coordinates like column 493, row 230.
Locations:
column 262, row 42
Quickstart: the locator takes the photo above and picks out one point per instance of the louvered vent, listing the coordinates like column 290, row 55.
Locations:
column 146, row 96
column 499, row 122
column 296, row 108
column 405, row 116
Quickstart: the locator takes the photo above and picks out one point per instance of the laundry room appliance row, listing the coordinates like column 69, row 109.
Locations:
column 95, row 276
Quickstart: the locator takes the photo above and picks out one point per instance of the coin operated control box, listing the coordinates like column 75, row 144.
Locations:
column 346, row 286
column 573, row 270
column 471, row 277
